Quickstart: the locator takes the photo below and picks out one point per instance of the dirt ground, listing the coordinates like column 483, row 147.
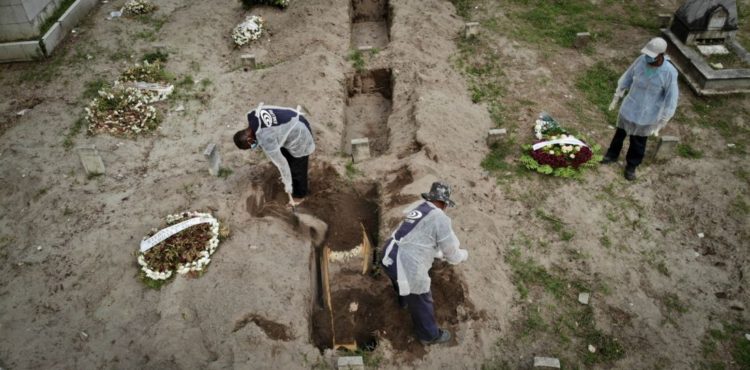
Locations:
column 70, row 296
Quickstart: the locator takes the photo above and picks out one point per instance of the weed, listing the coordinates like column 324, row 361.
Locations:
column 156, row 56
column 351, row 170
column 73, row 131
column 463, row 7
column 687, row 151
column 534, row 321
column 67, row 211
column 40, row 193
column 495, row 162
column 225, row 172
column 557, row 225
column 148, row 35
column 526, row 272
column 673, row 304
column 206, row 82
column 120, row 54
column 91, row 88
column 186, row 82
column 740, row 206
column 605, row 242
column 661, row 266
column 61, row 9
column 357, row 59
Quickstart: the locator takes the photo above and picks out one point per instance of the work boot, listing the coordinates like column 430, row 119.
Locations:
column 630, row 173
column 443, row 337
column 607, row 160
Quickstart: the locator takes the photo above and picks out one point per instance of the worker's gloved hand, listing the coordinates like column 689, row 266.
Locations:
column 660, row 125
column 613, row 104
column 440, row 256
column 292, row 203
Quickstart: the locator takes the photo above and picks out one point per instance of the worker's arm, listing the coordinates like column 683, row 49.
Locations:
column 448, row 243
column 278, row 159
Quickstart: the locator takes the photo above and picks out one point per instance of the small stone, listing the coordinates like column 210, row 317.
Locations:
column 696, row 254
column 39, row 248
column 83, row 335
column 730, row 145
column 546, row 362
column 360, row 150
column 582, row 40
column 592, row 349
column 351, row 363
column 22, row 112
column 89, row 57
column 747, row 336
column 583, row 298
column 179, row 108
column 717, row 65
column 353, row 307
column 701, row 235
column 471, row 29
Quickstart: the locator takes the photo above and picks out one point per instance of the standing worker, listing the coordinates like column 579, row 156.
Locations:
column 285, row 136
column 425, row 234
column 649, row 105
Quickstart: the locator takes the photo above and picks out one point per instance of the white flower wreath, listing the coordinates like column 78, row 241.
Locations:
column 197, row 265
column 247, row 31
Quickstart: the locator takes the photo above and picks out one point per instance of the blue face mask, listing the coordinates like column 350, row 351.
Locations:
column 650, row 59
column 253, row 145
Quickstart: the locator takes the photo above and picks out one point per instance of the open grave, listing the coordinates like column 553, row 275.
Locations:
column 368, row 106
column 354, row 305
column 371, row 23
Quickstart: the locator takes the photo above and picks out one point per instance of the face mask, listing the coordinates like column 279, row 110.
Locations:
column 650, row 59
column 253, row 145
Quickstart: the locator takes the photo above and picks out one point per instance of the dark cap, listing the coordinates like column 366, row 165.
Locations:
column 440, row 191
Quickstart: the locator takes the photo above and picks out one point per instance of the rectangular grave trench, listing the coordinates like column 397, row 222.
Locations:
column 342, row 266
column 371, row 23
column 368, row 105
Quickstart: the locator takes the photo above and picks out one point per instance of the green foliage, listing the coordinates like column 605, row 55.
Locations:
column 526, row 273
column 351, row 170
column 463, row 7
column 155, row 56
column 147, row 72
column 687, row 151
column 225, row 172
column 357, row 59
column 73, row 131
column 598, row 84
column 494, row 162
column 153, row 284
column 51, row 20
column 91, row 88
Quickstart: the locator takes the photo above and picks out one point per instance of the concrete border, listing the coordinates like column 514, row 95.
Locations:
column 24, row 51
column 703, row 79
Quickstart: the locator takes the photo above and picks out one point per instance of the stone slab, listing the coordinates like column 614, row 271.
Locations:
column 20, row 51
column 582, row 40
column 583, row 298
column 360, row 150
column 547, row 362
column 91, row 161
column 495, row 135
column 667, row 147
column 75, row 13
column 214, row 159
column 248, row 60
column 52, row 38
column 665, row 19
column 471, row 29
column 713, row 49
column 350, row 363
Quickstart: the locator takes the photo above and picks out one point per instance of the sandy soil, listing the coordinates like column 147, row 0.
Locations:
column 69, row 292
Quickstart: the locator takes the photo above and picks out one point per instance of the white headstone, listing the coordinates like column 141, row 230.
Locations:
column 495, row 135
column 248, row 60
column 546, row 362
column 214, row 159
column 360, row 150
column 471, row 29
column 92, row 162
column 583, row 298
column 351, row 363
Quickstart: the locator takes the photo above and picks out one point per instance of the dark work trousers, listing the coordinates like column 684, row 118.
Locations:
column 298, row 167
column 420, row 305
column 636, row 151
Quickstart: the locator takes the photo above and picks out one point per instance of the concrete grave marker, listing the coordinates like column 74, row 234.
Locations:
column 92, row 162
column 582, row 40
column 471, row 29
column 364, row 48
column 248, row 60
column 667, row 147
column 351, row 363
column 214, row 159
column 360, row 150
column 664, row 20
column 546, row 362
column 495, row 135
column 583, row 298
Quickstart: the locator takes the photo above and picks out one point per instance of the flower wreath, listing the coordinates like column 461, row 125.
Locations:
column 249, row 30
column 556, row 152
column 184, row 246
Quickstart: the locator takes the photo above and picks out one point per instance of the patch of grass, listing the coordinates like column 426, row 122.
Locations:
column 225, row 172
column 556, row 224
column 156, row 56
column 463, row 7
column 206, row 82
column 605, row 242
column 73, row 131
column 91, row 88
column 148, row 35
column 120, row 54
column 534, row 321
column 67, row 211
column 598, row 84
column 351, row 170
column 673, row 303
column 358, row 60
column 687, row 151
column 661, row 266
column 726, row 348
column 526, row 273
column 186, row 83
column 495, row 162
column 740, row 206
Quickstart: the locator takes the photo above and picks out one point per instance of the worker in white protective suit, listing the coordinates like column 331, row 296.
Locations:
column 423, row 235
column 284, row 134
column 651, row 82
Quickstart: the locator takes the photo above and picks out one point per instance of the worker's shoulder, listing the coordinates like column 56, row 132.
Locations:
column 670, row 67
